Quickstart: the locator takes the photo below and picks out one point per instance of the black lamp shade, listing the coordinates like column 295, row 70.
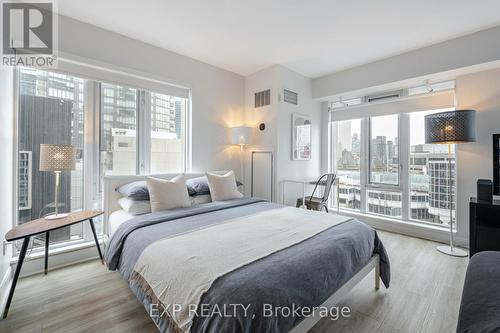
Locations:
column 451, row 127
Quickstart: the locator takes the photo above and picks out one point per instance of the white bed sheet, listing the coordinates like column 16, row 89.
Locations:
column 116, row 219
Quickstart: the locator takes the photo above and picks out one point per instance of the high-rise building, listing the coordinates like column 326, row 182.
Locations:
column 356, row 144
column 379, row 154
column 118, row 110
column 48, row 101
column 344, row 137
column 390, row 150
column 440, row 186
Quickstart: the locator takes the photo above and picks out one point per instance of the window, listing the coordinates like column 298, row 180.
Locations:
column 385, row 203
column 118, row 130
column 167, row 133
column 384, row 150
column 54, row 108
column 402, row 177
column 51, row 108
column 429, row 175
column 348, row 148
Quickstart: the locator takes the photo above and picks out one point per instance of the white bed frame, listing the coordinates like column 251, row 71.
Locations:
column 111, row 197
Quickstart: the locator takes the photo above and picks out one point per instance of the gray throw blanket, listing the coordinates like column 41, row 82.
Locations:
column 303, row 275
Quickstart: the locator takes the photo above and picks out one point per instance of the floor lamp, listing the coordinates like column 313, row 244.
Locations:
column 241, row 136
column 56, row 158
column 451, row 127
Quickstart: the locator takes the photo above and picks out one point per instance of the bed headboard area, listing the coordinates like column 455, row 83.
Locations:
column 111, row 183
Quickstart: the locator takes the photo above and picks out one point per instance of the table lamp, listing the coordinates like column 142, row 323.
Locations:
column 451, row 127
column 241, row 136
column 56, row 158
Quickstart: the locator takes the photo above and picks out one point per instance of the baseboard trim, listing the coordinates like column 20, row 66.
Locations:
column 436, row 234
column 58, row 258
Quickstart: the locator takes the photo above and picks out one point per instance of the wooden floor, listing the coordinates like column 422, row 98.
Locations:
column 424, row 297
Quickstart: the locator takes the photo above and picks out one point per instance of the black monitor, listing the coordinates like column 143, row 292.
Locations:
column 496, row 164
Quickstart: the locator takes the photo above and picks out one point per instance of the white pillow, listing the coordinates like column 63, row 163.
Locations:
column 135, row 207
column 168, row 194
column 223, row 187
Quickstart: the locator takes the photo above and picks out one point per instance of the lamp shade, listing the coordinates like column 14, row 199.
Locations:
column 57, row 157
column 451, row 127
column 241, row 135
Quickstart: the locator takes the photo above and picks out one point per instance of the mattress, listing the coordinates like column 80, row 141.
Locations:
column 116, row 219
column 302, row 275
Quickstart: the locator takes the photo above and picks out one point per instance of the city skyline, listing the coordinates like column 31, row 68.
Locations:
column 428, row 169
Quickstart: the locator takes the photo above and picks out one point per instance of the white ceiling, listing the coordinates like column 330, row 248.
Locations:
column 311, row 37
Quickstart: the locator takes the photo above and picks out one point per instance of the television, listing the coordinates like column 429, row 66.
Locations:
column 496, row 164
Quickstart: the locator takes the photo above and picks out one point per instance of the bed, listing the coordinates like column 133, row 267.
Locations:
column 163, row 257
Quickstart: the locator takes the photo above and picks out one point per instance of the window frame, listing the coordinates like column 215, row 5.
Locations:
column 376, row 185
column 404, row 151
column 139, row 164
column 92, row 195
column 333, row 133
column 455, row 179
column 86, row 232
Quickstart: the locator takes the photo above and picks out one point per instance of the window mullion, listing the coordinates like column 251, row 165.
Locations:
column 404, row 159
column 90, row 146
column 364, row 161
column 332, row 153
column 188, row 162
column 144, row 133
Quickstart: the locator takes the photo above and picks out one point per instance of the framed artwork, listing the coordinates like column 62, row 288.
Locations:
column 301, row 137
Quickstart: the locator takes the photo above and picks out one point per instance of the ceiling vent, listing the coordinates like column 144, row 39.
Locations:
column 290, row 97
column 384, row 96
column 262, row 98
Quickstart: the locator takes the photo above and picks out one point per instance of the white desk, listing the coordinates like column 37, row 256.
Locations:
column 304, row 181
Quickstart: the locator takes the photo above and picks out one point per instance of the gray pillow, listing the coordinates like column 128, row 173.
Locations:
column 199, row 186
column 136, row 190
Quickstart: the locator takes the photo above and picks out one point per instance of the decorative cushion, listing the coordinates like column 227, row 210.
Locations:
column 136, row 190
column 135, row 207
column 223, row 187
column 168, row 194
column 200, row 199
column 199, row 185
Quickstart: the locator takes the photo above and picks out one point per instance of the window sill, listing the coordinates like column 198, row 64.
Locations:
column 410, row 228
column 59, row 250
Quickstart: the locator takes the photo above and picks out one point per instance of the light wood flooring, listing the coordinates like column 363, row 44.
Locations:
column 424, row 296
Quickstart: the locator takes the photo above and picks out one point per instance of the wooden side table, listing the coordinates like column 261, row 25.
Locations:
column 26, row 230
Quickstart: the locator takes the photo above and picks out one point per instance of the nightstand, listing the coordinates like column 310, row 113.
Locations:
column 26, row 230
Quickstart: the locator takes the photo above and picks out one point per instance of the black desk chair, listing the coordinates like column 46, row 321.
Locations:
column 318, row 203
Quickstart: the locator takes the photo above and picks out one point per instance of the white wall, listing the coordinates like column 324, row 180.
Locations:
column 480, row 92
column 286, row 167
column 266, row 140
column 278, row 120
column 6, row 173
column 477, row 48
column 217, row 97
column 217, row 94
